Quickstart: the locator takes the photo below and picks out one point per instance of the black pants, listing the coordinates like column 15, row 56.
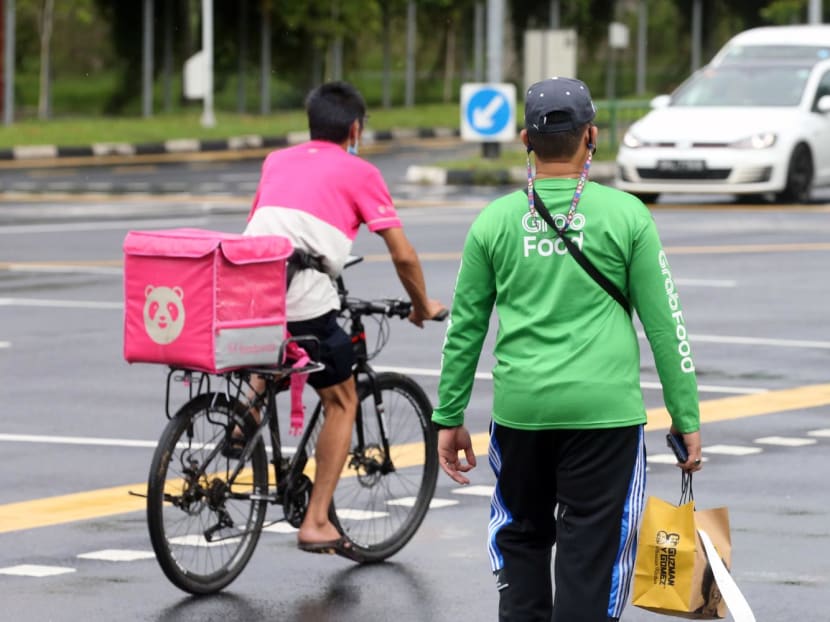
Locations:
column 581, row 490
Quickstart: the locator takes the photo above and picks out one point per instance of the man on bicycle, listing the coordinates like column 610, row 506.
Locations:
column 317, row 194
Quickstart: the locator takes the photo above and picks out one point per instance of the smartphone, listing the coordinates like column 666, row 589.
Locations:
column 675, row 441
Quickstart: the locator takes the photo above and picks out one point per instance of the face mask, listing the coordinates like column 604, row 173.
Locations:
column 353, row 148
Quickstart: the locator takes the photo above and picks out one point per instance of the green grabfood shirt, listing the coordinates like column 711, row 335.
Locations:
column 566, row 352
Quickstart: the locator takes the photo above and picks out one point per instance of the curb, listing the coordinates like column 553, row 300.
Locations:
column 193, row 145
column 602, row 172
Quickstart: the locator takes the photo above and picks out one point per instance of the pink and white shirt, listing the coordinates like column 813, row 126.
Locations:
column 317, row 195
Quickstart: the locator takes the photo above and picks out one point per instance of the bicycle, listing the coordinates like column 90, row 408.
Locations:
column 206, row 504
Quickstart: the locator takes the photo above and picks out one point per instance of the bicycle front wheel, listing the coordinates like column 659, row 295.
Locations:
column 384, row 492
column 205, row 509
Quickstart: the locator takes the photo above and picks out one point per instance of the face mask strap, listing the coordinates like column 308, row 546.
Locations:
column 530, row 201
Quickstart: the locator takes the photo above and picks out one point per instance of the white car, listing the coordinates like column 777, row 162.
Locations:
column 754, row 122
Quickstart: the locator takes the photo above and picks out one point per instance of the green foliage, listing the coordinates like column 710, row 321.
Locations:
column 784, row 11
column 97, row 47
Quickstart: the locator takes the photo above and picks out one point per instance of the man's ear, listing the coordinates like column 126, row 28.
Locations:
column 354, row 132
column 525, row 139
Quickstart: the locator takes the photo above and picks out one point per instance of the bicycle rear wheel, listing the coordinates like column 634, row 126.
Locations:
column 390, row 474
column 204, row 523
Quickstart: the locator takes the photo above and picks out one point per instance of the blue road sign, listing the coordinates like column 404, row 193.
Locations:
column 488, row 112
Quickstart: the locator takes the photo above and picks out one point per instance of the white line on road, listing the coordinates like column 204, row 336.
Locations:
column 482, row 375
column 103, row 225
column 705, row 283
column 5, row 344
column 732, row 450
column 117, row 555
column 68, row 269
column 755, row 341
column 32, row 570
column 479, row 491
column 62, row 304
column 76, row 440
column 96, row 441
column 825, row 433
column 786, row 441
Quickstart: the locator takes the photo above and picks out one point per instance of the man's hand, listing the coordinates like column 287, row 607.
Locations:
column 434, row 308
column 450, row 442
column 693, row 446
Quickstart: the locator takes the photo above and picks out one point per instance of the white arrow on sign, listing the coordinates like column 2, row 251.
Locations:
column 483, row 117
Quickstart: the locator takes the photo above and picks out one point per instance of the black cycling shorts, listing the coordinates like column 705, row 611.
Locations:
column 336, row 350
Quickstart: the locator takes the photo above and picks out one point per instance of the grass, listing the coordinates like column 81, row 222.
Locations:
column 75, row 131
column 84, row 131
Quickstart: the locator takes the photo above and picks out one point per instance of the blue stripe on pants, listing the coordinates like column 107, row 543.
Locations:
column 632, row 513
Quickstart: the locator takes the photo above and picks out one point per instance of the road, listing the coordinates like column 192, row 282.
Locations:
column 79, row 424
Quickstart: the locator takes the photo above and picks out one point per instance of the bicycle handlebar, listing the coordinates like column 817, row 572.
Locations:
column 388, row 307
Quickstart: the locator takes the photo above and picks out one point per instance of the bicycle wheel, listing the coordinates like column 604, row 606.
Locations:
column 204, row 523
column 383, row 494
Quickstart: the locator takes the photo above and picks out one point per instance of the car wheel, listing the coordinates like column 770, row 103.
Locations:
column 799, row 177
column 647, row 197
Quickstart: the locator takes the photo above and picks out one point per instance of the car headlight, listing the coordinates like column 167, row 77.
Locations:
column 631, row 141
column 764, row 140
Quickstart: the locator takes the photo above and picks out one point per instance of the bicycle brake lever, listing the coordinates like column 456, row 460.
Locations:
column 441, row 315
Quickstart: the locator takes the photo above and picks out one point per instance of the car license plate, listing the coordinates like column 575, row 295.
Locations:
column 681, row 165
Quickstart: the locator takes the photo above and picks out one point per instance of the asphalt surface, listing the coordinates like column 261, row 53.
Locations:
column 77, row 420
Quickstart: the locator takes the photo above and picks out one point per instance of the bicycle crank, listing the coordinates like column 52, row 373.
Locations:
column 295, row 499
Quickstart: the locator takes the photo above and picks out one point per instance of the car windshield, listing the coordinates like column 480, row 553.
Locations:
column 743, row 53
column 744, row 85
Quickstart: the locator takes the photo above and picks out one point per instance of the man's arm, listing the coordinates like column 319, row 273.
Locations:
column 408, row 267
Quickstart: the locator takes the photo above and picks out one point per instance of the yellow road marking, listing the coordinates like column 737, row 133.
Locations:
column 117, row 500
column 725, row 409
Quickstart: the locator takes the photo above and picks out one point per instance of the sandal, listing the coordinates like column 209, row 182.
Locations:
column 342, row 546
column 234, row 445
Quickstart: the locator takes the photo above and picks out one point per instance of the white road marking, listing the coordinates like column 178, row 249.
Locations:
column 65, row 304
column 661, row 458
column 103, row 226
column 483, row 375
column 705, row 283
column 117, row 555
column 785, row 441
column 731, row 450
column 756, row 341
column 281, row 527
column 32, row 570
column 77, row 440
column 5, row 344
column 65, row 269
column 825, row 433
column 408, row 502
column 199, row 540
column 103, row 442
column 348, row 514
column 667, row 458
column 480, row 491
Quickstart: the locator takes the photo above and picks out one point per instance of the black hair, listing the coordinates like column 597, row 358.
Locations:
column 556, row 145
column 331, row 110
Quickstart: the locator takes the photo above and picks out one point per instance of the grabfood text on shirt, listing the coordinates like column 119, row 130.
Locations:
column 687, row 365
column 548, row 246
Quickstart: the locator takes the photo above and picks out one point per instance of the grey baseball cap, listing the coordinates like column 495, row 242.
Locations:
column 557, row 105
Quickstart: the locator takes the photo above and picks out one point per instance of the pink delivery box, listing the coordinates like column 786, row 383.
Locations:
column 204, row 300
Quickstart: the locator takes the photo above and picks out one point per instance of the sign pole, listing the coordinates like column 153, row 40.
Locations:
column 8, row 62
column 208, row 119
column 495, row 35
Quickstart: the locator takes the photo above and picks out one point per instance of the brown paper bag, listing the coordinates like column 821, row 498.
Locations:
column 672, row 574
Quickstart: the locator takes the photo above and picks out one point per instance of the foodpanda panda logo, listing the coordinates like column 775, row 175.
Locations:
column 163, row 313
